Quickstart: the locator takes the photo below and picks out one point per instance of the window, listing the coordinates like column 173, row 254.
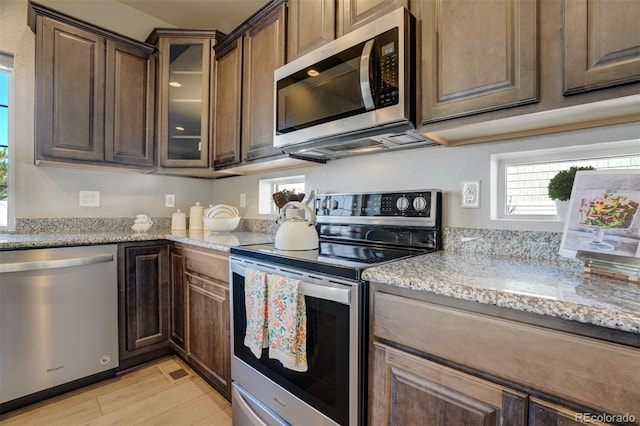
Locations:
column 267, row 187
column 6, row 68
column 522, row 178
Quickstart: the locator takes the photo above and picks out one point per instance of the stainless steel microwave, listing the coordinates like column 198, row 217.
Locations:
column 354, row 95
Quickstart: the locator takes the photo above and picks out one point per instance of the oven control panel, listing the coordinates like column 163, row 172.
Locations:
column 421, row 204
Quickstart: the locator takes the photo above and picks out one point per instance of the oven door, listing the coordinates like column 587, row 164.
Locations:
column 329, row 391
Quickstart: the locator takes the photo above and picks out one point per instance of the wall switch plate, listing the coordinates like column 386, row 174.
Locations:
column 243, row 200
column 471, row 194
column 169, row 200
column 89, row 199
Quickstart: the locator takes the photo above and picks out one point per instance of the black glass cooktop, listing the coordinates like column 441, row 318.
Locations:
column 339, row 259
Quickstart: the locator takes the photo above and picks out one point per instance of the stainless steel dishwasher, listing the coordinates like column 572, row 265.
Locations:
column 59, row 319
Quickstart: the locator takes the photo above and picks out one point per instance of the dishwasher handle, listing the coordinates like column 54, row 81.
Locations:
column 54, row 264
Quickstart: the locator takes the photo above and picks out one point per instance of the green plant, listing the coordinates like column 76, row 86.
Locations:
column 561, row 184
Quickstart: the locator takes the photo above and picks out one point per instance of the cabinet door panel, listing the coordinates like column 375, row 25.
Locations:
column 412, row 390
column 209, row 344
column 264, row 51
column 477, row 58
column 355, row 13
column 227, row 111
column 183, row 128
column 145, row 292
column 70, row 79
column 311, row 24
column 601, row 44
column 130, row 100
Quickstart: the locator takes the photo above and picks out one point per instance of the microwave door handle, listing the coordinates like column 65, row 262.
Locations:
column 365, row 85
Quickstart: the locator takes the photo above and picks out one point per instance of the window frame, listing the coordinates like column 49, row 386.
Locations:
column 569, row 153
column 6, row 65
column 267, row 187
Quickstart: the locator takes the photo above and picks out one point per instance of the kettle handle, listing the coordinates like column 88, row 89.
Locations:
column 298, row 204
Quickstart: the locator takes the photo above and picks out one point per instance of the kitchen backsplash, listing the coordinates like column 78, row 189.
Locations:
column 500, row 242
column 72, row 225
column 497, row 242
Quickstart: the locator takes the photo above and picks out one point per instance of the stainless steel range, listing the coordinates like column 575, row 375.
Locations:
column 356, row 231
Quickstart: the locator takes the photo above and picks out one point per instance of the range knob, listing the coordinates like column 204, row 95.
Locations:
column 402, row 203
column 419, row 203
column 333, row 204
column 323, row 204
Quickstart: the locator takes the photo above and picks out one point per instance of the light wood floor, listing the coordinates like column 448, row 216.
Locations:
column 147, row 395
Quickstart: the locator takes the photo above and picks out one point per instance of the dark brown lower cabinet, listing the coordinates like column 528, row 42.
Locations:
column 177, row 301
column 409, row 390
column 208, row 330
column 202, row 335
column 143, row 285
column 544, row 413
column 434, row 361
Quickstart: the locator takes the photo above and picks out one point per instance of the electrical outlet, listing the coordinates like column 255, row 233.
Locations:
column 243, row 200
column 169, row 200
column 89, row 198
column 471, row 194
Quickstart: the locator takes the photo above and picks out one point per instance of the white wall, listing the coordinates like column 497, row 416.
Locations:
column 53, row 192
column 434, row 167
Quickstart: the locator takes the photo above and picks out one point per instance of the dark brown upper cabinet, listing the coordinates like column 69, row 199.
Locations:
column 95, row 95
column 186, row 79
column 352, row 14
column 601, row 44
column 310, row 24
column 477, row 58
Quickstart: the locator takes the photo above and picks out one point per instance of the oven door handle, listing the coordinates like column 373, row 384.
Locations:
column 333, row 294
column 324, row 291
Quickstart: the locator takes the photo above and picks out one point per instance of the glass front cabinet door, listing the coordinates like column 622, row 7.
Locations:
column 184, row 93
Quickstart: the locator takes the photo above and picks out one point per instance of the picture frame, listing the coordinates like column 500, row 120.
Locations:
column 603, row 217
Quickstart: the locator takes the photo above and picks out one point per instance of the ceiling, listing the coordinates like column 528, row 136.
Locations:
column 223, row 15
column 137, row 18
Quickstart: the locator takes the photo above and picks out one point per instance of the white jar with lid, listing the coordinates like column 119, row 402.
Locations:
column 195, row 217
column 178, row 221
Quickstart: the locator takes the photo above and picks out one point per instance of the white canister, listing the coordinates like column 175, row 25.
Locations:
column 195, row 217
column 178, row 221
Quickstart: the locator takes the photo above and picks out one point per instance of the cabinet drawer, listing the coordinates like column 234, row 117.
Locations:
column 580, row 369
column 207, row 288
column 214, row 265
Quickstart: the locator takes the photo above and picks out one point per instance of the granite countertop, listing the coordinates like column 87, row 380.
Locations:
column 218, row 241
column 545, row 287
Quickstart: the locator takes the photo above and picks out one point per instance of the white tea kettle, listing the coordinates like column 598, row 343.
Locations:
column 297, row 233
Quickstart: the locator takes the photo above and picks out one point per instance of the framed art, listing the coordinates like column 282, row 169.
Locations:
column 603, row 215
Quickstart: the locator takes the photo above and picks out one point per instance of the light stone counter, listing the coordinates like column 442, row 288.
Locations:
column 220, row 240
column 545, row 287
column 216, row 241
column 62, row 232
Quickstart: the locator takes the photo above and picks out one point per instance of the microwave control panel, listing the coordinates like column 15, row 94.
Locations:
column 389, row 68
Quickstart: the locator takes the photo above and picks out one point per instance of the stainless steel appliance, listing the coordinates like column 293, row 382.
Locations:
column 356, row 231
column 59, row 320
column 352, row 96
